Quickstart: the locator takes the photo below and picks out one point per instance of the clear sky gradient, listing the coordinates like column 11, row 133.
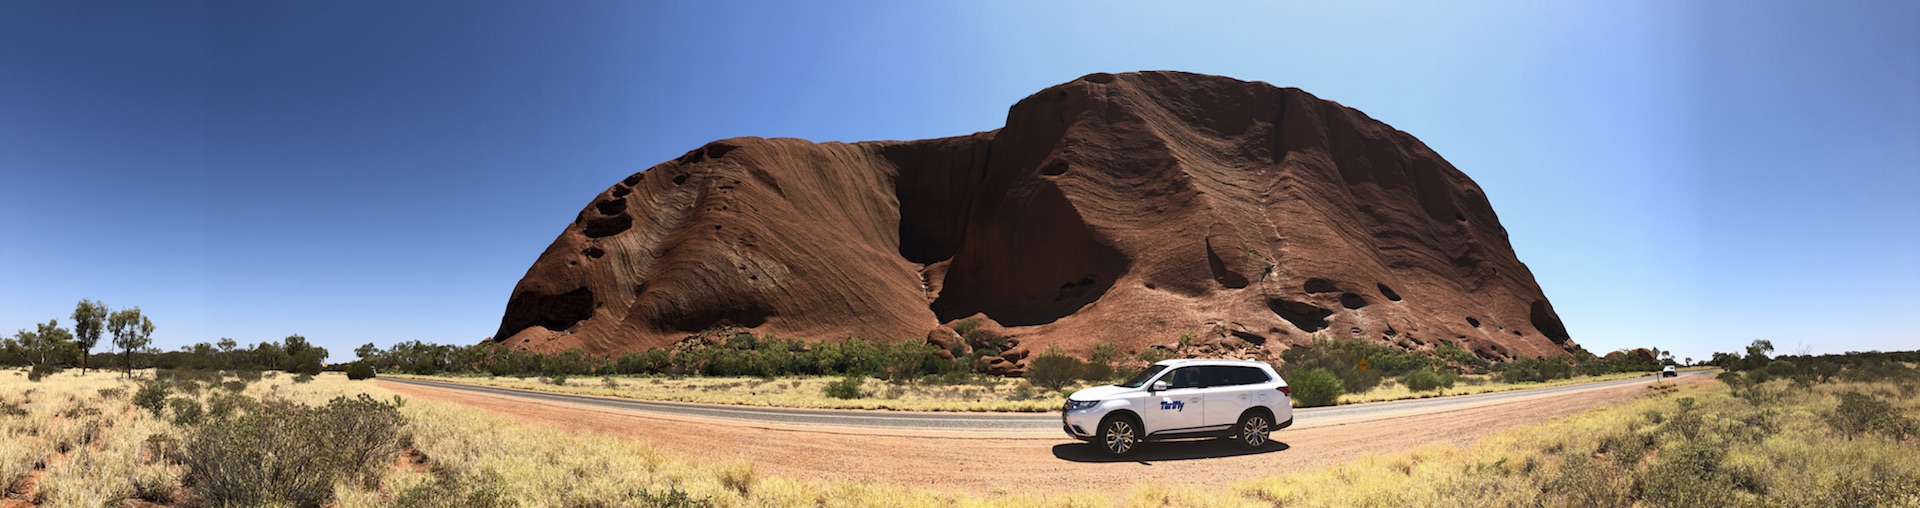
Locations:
column 1684, row 175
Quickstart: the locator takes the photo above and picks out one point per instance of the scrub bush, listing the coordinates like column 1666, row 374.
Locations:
column 1104, row 353
column 1426, row 379
column 1098, row 372
column 846, row 388
column 1053, row 369
column 1316, row 387
column 1860, row 414
column 282, row 453
column 1358, row 363
column 43, row 370
column 454, row 490
column 152, row 397
column 186, row 412
column 360, row 370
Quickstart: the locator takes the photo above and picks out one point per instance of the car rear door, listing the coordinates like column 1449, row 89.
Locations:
column 1237, row 389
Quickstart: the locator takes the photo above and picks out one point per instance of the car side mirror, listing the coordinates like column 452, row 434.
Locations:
column 1158, row 386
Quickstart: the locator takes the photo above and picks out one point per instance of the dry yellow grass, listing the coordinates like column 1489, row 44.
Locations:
column 1390, row 389
column 988, row 395
column 1777, row 453
column 86, row 448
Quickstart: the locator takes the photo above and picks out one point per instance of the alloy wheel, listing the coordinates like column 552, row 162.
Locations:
column 1119, row 437
column 1254, row 431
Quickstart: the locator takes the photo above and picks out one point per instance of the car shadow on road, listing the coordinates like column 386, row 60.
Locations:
column 1165, row 451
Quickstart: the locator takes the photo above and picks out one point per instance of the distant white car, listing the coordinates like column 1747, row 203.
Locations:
column 1243, row 400
column 1669, row 372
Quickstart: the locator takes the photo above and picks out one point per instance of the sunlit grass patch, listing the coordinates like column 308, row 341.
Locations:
column 1702, row 447
column 1775, row 445
column 1469, row 384
column 973, row 393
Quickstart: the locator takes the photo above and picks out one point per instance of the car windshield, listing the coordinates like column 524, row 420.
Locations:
column 1140, row 379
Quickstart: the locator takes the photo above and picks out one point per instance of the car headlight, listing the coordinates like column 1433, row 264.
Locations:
column 1073, row 405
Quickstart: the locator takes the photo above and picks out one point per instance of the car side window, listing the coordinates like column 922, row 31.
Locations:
column 1220, row 376
column 1184, row 378
column 1249, row 376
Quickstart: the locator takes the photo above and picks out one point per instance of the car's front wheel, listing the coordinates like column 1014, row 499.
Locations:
column 1254, row 428
column 1118, row 436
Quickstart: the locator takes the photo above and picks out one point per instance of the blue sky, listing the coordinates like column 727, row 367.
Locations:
column 1686, row 175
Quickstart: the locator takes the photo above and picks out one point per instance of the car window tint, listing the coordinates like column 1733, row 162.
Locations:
column 1249, row 376
column 1184, row 378
column 1220, row 376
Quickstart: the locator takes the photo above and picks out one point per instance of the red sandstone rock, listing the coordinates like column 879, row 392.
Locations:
column 1127, row 209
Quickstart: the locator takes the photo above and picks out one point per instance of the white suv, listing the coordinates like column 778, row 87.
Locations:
column 1238, row 399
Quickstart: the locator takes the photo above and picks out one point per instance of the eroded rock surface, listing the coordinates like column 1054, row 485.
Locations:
column 1129, row 209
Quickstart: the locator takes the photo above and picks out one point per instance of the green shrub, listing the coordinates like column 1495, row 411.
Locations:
column 1053, row 369
column 1104, row 353
column 43, row 370
column 1870, row 370
column 672, row 497
column 359, row 370
column 185, row 411
column 1466, row 359
column 1692, row 475
column 965, row 326
column 1535, row 370
column 1154, row 355
column 846, row 388
column 1097, row 372
column 303, row 378
column 556, row 380
column 1426, row 379
column 1686, row 422
column 1316, row 387
column 1782, row 369
column 1860, row 414
column 1628, row 448
column 290, row 454
column 221, row 406
column 1732, row 379
column 152, row 397
column 454, row 491
column 1358, row 363
column 1583, row 482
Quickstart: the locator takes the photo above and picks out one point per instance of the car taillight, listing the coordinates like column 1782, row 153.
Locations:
column 1284, row 390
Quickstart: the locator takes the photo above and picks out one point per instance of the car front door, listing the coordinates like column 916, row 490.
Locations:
column 1179, row 408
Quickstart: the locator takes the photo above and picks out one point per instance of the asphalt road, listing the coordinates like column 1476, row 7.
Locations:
column 981, row 421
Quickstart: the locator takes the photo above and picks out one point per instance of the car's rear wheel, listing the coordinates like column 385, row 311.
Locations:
column 1254, row 428
column 1118, row 436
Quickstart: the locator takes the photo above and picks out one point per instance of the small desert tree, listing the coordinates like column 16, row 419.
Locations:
column 88, row 318
column 131, row 331
column 1757, row 354
column 44, row 349
column 301, row 356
